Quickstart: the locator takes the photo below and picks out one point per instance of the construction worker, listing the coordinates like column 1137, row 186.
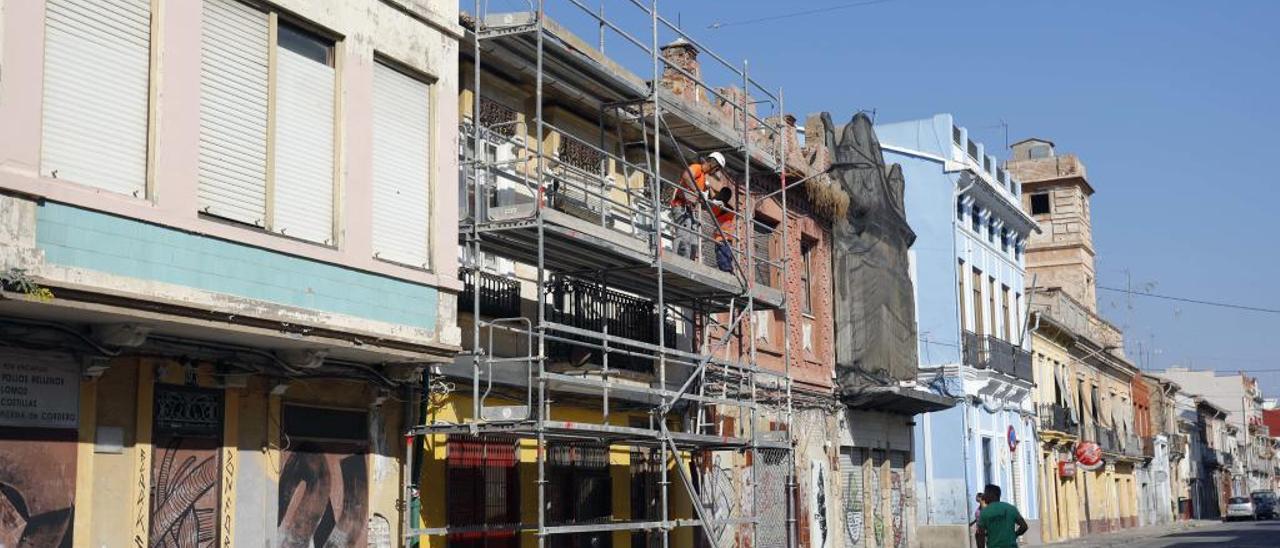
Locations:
column 692, row 190
column 722, row 209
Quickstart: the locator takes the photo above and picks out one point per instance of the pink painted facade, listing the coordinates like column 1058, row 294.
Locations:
column 421, row 36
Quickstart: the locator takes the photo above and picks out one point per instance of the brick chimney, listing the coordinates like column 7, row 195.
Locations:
column 683, row 54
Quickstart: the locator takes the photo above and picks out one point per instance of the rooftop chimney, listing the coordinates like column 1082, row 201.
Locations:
column 684, row 55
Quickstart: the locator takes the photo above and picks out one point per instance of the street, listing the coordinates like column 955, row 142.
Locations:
column 1239, row 534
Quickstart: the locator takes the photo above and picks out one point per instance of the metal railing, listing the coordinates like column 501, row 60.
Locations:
column 593, row 306
column 1108, row 440
column 1058, row 419
column 499, row 295
column 992, row 352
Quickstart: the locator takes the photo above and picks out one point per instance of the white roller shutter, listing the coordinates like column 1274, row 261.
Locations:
column 233, row 112
column 303, row 199
column 401, row 167
column 96, row 71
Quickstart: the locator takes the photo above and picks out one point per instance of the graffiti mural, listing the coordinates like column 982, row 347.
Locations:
column 184, row 495
column 323, row 495
column 877, row 520
column 818, row 488
column 185, row 467
column 37, row 486
column 853, row 497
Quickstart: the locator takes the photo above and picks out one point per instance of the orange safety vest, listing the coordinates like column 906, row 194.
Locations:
column 699, row 180
column 724, row 217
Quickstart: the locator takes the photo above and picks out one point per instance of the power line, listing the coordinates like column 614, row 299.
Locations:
column 719, row 25
column 1190, row 300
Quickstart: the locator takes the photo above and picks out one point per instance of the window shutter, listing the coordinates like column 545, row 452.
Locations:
column 96, row 86
column 401, row 167
column 233, row 112
column 304, row 153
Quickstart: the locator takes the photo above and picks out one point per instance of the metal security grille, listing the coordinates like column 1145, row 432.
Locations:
column 499, row 295
column 188, row 411
column 646, row 471
column 851, row 461
column 771, row 501
column 580, row 491
column 484, row 499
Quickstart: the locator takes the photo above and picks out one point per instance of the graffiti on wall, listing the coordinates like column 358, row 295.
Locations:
column 184, row 495
column 896, row 507
column 323, row 496
column 719, row 493
column 37, row 486
column 818, row 504
column 853, row 502
column 877, row 520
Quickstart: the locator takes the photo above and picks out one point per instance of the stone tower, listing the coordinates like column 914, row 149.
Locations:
column 1056, row 191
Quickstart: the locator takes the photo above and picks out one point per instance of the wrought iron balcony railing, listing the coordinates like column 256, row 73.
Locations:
column 499, row 295
column 991, row 352
column 588, row 305
column 1058, row 419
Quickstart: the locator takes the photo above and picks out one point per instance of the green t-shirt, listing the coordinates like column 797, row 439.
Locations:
column 999, row 519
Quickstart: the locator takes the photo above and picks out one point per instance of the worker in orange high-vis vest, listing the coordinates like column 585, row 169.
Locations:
column 725, row 217
column 693, row 188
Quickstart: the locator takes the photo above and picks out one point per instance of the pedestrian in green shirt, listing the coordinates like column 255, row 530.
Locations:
column 1000, row 524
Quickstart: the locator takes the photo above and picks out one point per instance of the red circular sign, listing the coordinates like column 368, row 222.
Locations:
column 1088, row 455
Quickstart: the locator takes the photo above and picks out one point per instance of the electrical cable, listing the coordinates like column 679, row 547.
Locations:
column 720, row 25
column 1190, row 300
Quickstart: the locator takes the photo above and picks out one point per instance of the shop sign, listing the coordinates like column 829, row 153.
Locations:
column 1088, row 455
column 1066, row 469
column 38, row 391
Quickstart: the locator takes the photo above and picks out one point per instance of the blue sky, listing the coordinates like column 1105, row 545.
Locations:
column 1168, row 103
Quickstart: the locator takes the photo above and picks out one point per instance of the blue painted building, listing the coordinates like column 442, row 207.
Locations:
column 969, row 272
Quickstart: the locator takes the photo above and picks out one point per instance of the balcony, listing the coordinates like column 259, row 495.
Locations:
column 1213, row 458
column 1057, row 418
column 1108, row 440
column 1131, row 445
column 991, row 352
column 499, row 295
column 1148, row 447
column 1178, row 445
column 587, row 305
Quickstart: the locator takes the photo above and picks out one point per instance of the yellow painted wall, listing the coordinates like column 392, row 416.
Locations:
column 458, row 408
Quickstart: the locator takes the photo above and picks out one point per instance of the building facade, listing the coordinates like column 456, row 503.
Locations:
column 968, row 269
column 876, row 353
column 1089, row 446
column 212, row 332
column 631, row 393
column 1240, row 396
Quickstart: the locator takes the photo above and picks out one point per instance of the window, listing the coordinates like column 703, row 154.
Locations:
column 579, row 491
column 401, row 167
column 1040, row 151
column 1004, row 241
column 995, row 322
column 976, row 221
column 991, row 230
column 763, row 253
column 483, row 491
column 978, row 324
column 247, row 102
column 1040, row 203
column 97, row 94
column 988, row 472
column 960, row 210
column 806, row 276
column 960, row 291
column 1008, row 320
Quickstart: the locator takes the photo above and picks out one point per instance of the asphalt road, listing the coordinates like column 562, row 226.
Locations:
column 1238, row 534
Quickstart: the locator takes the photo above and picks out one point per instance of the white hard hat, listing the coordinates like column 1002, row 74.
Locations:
column 717, row 158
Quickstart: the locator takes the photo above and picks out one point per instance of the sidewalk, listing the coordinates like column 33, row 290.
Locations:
column 1126, row 536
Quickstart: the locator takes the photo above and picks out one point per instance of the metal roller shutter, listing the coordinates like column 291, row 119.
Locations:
column 96, row 87
column 851, row 481
column 304, row 152
column 233, row 112
column 401, row 167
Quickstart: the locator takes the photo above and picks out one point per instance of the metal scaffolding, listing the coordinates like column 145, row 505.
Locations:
column 608, row 284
